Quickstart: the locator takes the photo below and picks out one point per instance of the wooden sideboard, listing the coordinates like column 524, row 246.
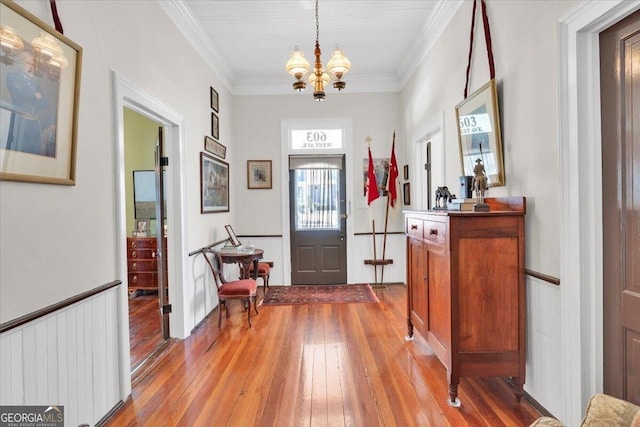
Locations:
column 142, row 263
column 466, row 290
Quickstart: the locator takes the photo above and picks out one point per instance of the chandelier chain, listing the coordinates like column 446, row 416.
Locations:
column 317, row 24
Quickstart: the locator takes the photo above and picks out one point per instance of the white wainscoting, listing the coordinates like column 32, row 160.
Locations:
column 68, row 357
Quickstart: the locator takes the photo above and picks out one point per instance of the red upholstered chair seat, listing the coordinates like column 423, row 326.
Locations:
column 243, row 287
column 263, row 271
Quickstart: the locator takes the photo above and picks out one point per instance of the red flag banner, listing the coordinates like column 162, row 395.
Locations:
column 372, row 184
column 393, row 177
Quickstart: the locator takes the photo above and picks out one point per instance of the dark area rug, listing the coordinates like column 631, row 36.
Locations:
column 319, row 294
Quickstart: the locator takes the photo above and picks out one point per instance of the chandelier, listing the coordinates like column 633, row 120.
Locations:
column 299, row 68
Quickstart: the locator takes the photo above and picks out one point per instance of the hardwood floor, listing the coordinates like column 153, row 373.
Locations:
column 314, row 365
column 145, row 331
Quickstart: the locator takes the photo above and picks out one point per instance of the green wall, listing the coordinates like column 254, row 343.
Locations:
column 140, row 136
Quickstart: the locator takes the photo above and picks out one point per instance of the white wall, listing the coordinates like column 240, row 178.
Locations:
column 58, row 241
column 257, row 136
column 524, row 36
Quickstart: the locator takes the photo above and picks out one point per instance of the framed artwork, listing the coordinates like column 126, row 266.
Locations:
column 405, row 172
column 479, row 134
column 214, row 99
column 214, row 147
column 214, row 184
column 39, row 100
column 406, row 193
column 259, row 174
column 215, row 126
column 233, row 238
column 144, row 193
column 142, row 224
column 381, row 171
column 142, row 228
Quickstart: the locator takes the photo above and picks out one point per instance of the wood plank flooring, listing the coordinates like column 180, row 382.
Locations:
column 145, row 329
column 312, row 365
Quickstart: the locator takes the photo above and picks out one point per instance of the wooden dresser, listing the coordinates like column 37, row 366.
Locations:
column 466, row 289
column 142, row 263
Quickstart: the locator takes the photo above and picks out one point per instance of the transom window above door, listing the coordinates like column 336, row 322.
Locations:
column 316, row 139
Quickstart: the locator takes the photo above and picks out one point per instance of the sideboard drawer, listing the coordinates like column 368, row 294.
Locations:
column 138, row 243
column 143, row 280
column 414, row 228
column 142, row 265
column 435, row 232
column 141, row 254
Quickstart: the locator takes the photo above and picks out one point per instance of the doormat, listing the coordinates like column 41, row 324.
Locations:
column 319, row 294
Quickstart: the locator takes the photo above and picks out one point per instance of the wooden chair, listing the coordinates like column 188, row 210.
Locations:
column 263, row 272
column 242, row 289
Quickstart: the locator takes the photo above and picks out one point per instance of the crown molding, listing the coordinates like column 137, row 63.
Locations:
column 443, row 12
column 182, row 17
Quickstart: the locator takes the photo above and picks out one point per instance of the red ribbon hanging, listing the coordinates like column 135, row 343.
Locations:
column 56, row 18
column 487, row 36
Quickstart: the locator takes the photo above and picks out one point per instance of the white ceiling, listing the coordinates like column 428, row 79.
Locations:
column 248, row 42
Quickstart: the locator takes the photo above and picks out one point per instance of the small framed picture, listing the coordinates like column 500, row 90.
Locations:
column 406, row 193
column 214, row 184
column 214, row 147
column 259, row 174
column 233, row 238
column 215, row 126
column 405, row 170
column 214, row 100
column 143, row 227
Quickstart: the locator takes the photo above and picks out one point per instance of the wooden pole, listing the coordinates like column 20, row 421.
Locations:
column 375, row 257
column 386, row 221
column 384, row 240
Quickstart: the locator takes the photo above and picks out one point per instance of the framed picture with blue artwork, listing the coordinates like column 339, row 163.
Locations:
column 40, row 81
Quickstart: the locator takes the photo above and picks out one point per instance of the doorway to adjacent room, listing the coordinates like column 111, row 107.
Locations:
column 146, row 235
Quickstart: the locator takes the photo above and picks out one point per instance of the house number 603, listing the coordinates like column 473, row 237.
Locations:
column 316, row 136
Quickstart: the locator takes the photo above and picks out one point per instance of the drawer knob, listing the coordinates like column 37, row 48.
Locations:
column 135, row 279
column 414, row 226
column 133, row 244
column 134, row 266
column 433, row 232
column 134, row 254
column 153, row 254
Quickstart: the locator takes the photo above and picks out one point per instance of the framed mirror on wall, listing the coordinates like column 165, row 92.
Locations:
column 479, row 134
